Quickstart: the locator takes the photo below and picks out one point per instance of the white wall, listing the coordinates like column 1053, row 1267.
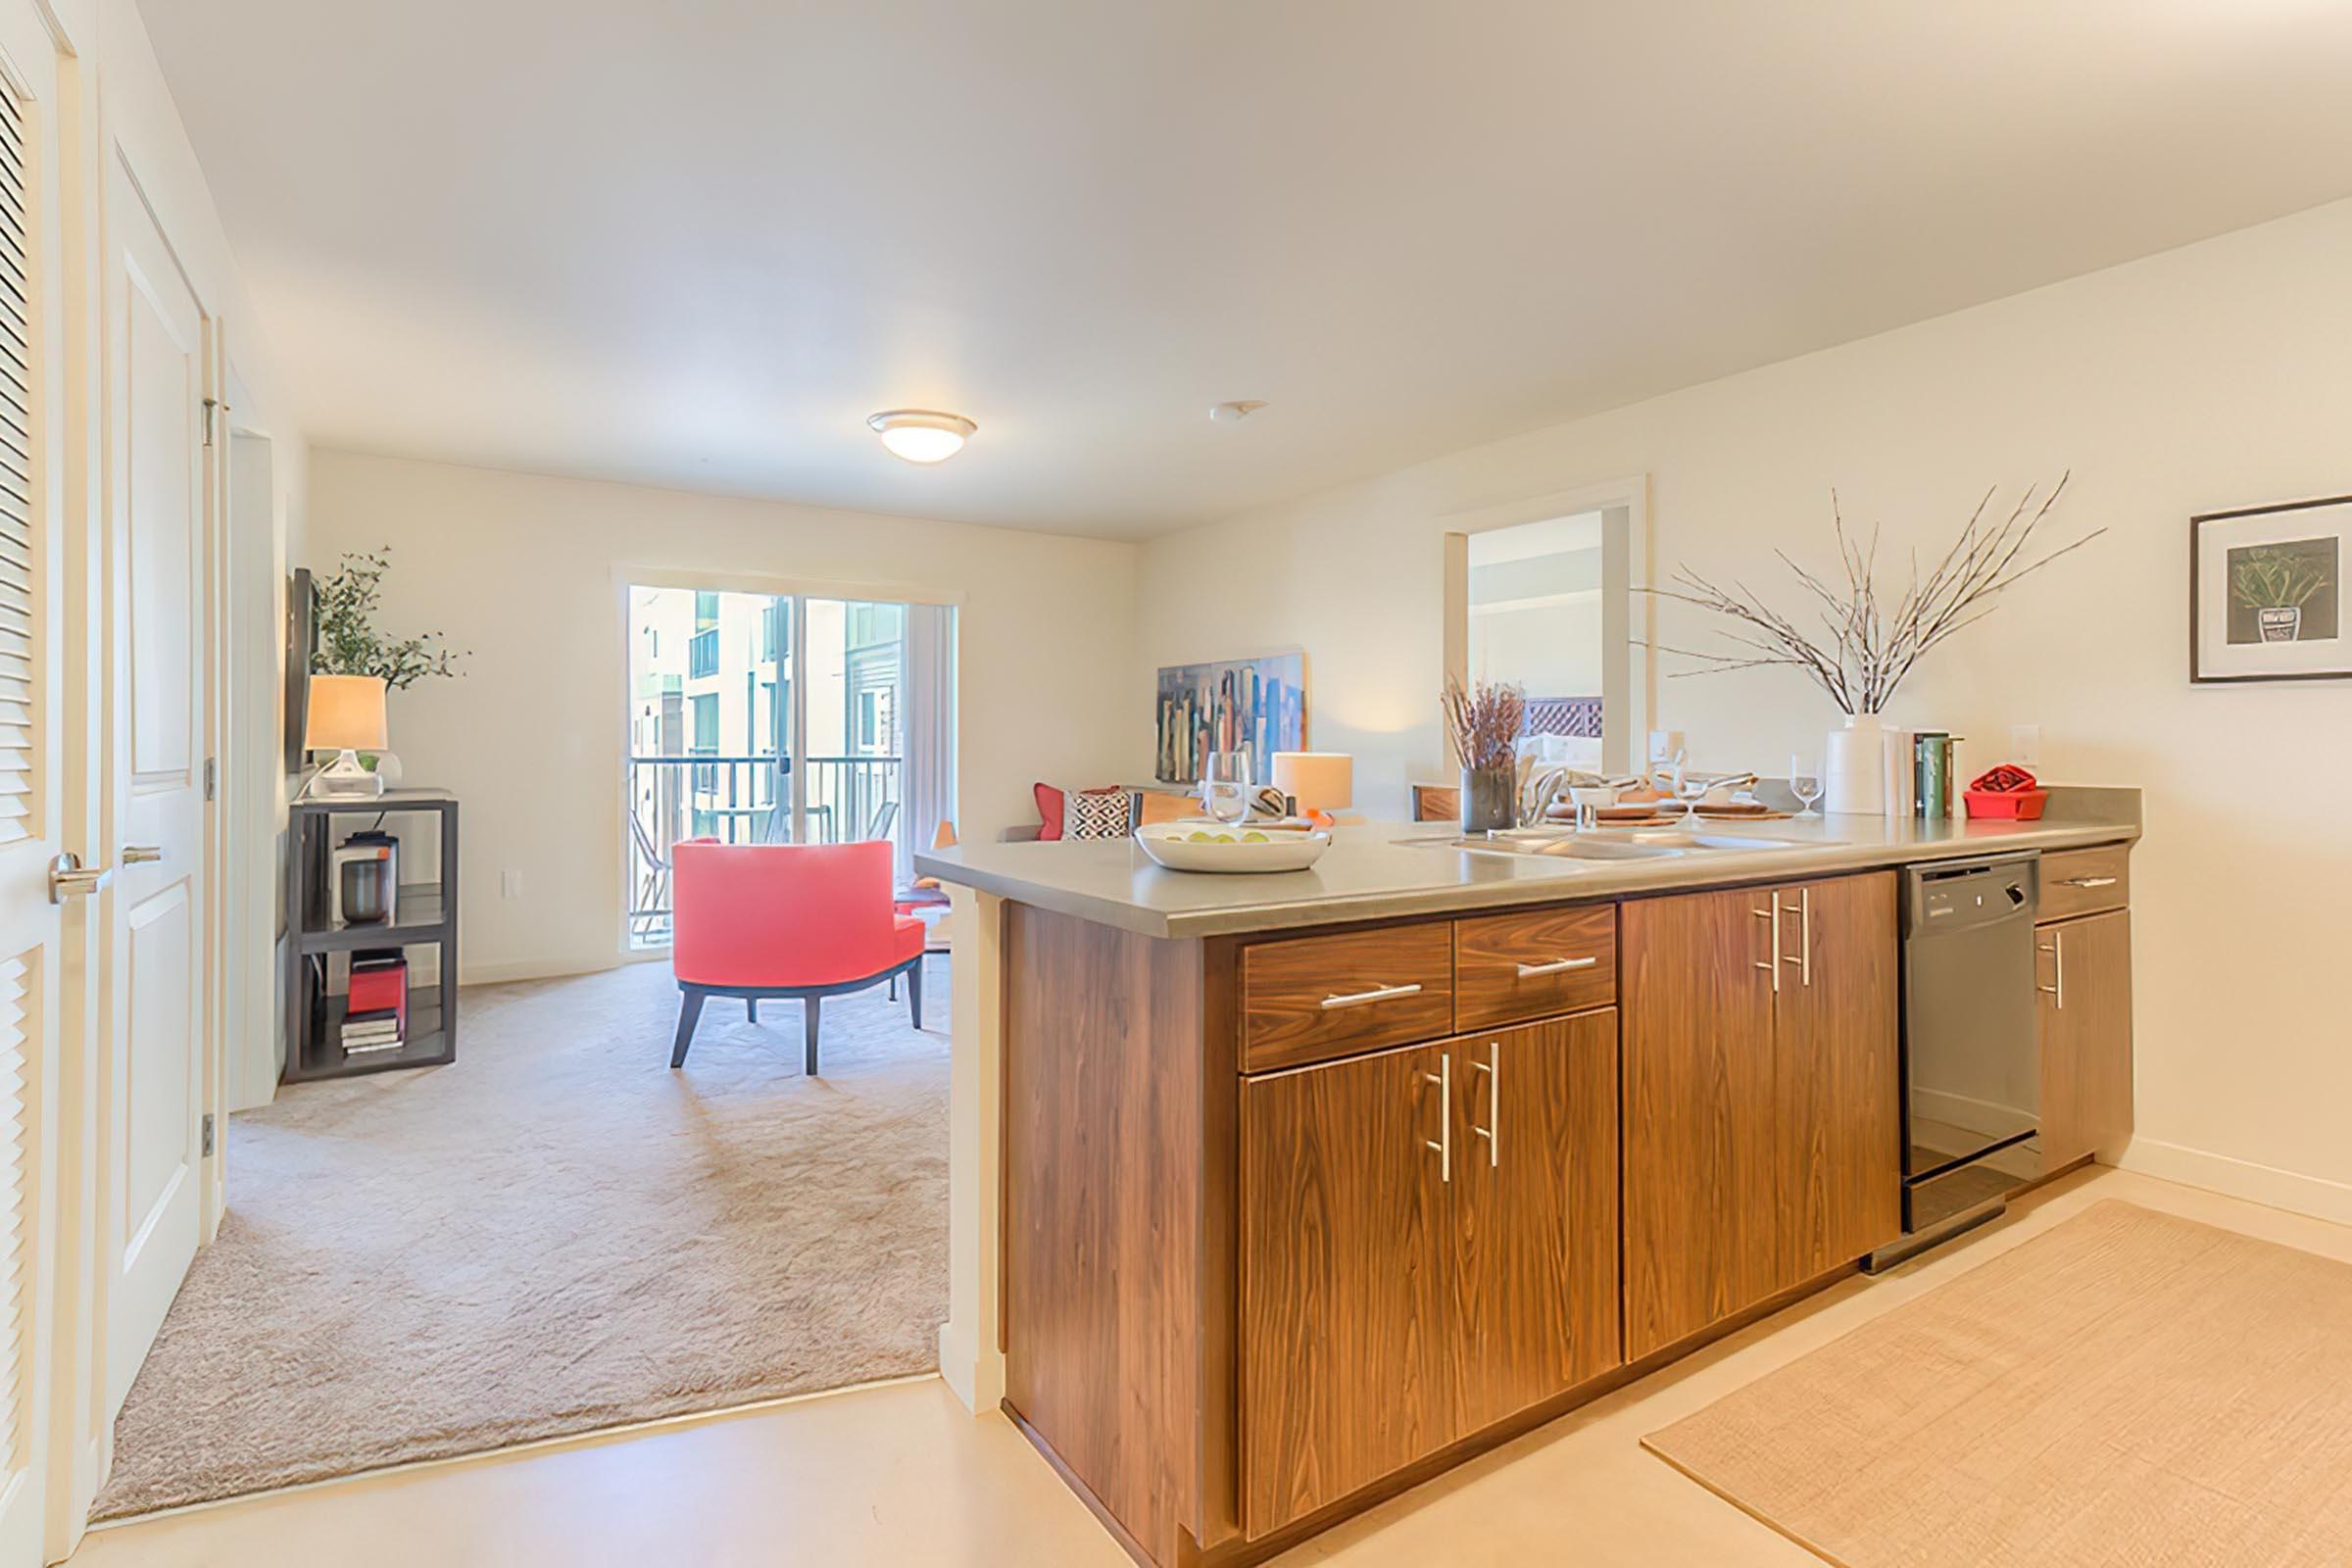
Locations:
column 2213, row 376
column 528, row 571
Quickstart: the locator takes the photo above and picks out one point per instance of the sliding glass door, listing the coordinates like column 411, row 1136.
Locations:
column 757, row 719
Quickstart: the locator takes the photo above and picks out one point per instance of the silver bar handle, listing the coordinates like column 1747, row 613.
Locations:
column 1527, row 971
column 1803, row 908
column 1772, row 964
column 2056, row 948
column 1444, row 1141
column 2087, row 881
column 1492, row 1131
column 1357, row 998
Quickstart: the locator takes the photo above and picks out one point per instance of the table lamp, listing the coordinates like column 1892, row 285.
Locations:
column 1319, row 781
column 346, row 716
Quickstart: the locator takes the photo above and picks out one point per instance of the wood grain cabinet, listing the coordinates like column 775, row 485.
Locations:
column 1429, row 1245
column 2085, row 1013
column 1762, row 1096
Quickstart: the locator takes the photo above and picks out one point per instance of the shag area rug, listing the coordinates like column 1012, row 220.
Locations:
column 555, row 1234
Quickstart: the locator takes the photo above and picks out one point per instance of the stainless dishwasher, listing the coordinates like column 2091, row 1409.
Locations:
column 1971, row 1050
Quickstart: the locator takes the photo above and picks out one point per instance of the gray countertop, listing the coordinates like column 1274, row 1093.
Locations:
column 1375, row 871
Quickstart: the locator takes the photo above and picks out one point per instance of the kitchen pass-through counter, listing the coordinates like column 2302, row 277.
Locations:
column 1272, row 1195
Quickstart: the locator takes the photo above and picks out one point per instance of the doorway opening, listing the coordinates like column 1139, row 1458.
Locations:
column 780, row 719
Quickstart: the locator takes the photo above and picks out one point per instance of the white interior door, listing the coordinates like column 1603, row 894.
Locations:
column 156, row 368
column 34, row 739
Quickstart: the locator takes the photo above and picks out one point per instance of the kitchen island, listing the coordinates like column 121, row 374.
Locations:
column 1276, row 1194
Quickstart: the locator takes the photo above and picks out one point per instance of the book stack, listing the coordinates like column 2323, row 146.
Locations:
column 375, row 1019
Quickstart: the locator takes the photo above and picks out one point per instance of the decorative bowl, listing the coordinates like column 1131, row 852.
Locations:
column 1214, row 847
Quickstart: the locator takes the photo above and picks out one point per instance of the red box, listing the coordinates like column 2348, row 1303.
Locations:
column 379, row 990
column 2017, row 806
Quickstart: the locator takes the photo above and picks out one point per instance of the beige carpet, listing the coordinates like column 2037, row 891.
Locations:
column 556, row 1233
column 2130, row 1389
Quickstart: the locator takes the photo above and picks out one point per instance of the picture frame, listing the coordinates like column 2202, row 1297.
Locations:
column 2267, row 597
column 302, row 645
column 1258, row 705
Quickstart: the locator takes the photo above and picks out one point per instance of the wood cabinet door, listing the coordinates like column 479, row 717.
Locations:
column 1346, row 1306
column 1695, row 989
column 2086, row 968
column 1534, row 1198
column 1836, row 1089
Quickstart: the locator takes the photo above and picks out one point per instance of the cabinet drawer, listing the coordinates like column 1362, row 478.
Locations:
column 2084, row 881
column 1532, row 963
column 1314, row 998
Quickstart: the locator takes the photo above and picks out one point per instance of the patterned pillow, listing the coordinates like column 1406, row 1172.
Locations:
column 1093, row 815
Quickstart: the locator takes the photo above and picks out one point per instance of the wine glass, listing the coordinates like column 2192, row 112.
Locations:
column 1225, row 786
column 1805, row 781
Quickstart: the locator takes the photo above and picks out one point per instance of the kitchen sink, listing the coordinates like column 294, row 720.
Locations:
column 1554, row 845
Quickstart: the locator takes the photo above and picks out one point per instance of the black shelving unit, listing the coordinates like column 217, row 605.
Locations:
column 425, row 915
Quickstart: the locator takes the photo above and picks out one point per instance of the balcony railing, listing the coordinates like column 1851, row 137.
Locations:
column 743, row 800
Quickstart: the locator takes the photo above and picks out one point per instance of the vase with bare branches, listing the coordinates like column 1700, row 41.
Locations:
column 1859, row 645
column 1482, row 721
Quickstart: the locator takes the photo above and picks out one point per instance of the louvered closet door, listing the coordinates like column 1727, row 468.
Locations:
column 35, row 732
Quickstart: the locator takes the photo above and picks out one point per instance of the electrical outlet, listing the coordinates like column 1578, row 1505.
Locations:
column 2025, row 745
column 509, row 884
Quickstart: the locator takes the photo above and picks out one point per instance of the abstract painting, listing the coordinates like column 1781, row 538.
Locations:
column 2265, row 592
column 1253, row 705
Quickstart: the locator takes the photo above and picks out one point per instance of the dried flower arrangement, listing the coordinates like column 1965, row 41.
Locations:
column 1484, row 722
column 1869, row 650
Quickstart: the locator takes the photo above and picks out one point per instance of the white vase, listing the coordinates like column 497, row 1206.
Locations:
column 1854, row 768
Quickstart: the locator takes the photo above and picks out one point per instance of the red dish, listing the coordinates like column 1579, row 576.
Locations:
column 2014, row 806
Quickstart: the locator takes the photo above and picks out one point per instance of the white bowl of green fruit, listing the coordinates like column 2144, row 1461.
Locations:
column 1231, row 847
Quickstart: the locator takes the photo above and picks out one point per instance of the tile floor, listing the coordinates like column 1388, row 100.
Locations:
column 900, row 1475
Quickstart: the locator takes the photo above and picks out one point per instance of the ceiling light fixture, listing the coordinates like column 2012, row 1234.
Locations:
column 1235, row 411
column 923, row 435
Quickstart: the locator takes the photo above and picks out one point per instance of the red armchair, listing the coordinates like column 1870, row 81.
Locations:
column 799, row 921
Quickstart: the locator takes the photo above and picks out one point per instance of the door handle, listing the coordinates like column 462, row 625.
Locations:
column 142, row 853
column 69, row 878
column 2056, row 948
column 1527, row 971
column 1444, row 1141
column 1492, row 1132
column 1774, row 962
column 1803, row 908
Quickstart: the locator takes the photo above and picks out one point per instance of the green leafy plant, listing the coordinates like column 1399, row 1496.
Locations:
column 349, row 643
column 2272, row 578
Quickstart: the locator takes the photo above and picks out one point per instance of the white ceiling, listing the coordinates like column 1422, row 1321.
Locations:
column 695, row 244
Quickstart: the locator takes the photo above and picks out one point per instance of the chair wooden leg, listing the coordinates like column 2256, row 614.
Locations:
column 690, row 1011
column 915, row 991
column 809, row 1025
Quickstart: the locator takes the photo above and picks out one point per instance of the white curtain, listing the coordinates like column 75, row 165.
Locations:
column 929, row 747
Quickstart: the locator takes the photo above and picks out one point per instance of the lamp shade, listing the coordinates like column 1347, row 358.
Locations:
column 1320, row 781
column 346, row 714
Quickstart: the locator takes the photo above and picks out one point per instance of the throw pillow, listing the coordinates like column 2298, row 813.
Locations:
column 1048, row 810
column 1097, row 815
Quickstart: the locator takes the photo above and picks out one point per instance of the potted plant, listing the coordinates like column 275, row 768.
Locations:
column 1483, row 724
column 2276, row 583
column 349, row 643
column 1868, row 644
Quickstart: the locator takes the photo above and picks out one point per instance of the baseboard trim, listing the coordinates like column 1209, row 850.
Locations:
column 2267, row 1185
column 493, row 974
